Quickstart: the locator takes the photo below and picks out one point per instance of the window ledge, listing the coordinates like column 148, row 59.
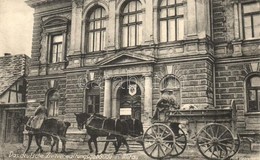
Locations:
column 251, row 40
column 252, row 113
column 175, row 43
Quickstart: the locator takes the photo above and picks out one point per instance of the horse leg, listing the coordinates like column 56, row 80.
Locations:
column 63, row 150
column 119, row 140
column 89, row 145
column 30, row 136
column 106, row 144
column 53, row 143
column 38, row 139
column 95, row 143
column 126, row 144
column 57, row 145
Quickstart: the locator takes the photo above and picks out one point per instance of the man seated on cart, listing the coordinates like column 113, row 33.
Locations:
column 166, row 103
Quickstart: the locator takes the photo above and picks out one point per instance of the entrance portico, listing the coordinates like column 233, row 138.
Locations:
column 127, row 68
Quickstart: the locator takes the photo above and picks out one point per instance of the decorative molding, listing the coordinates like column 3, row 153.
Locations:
column 79, row 3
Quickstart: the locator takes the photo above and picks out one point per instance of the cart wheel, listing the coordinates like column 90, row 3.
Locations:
column 159, row 141
column 236, row 147
column 215, row 141
column 180, row 143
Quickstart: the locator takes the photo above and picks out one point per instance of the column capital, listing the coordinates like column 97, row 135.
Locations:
column 148, row 74
column 107, row 78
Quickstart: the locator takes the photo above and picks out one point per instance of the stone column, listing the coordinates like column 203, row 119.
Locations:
column 107, row 98
column 148, row 94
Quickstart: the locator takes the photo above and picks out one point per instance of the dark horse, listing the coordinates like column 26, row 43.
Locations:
column 100, row 126
column 133, row 128
column 51, row 128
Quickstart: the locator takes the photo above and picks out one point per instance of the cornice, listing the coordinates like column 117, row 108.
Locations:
column 208, row 57
column 44, row 77
column 35, row 3
column 237, row 59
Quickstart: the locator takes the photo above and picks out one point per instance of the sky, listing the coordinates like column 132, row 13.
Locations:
column 16, row 23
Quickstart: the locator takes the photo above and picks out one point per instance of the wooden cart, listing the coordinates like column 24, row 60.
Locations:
column 214, row 132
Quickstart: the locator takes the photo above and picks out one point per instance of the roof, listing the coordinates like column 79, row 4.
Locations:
column 12, row 68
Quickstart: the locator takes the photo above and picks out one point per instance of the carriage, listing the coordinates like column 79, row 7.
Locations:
column 213, row 130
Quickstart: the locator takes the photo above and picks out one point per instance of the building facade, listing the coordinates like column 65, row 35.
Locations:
column 13, row 72
column 118, row 57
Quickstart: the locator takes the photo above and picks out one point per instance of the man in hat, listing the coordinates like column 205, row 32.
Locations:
column 40, row 114
column 167, row 101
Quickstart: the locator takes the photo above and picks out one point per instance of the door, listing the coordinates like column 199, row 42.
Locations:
column 14, row 129
column 130, row 104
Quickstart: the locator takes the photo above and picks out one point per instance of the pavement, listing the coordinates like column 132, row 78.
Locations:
column 81, row 152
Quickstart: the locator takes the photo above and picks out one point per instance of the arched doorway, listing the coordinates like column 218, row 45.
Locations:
column 129, row 100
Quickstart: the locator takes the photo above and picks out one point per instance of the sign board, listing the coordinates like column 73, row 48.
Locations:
column 125, row 111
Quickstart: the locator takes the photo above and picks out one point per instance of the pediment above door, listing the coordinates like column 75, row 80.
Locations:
column 125, row 59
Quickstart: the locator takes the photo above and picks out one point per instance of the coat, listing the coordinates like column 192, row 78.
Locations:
column 40, row 115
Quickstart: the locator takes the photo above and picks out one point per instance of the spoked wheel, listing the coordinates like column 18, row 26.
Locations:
column 215, row 141
column 236, row 147
column 180, row 143
column 158, row 141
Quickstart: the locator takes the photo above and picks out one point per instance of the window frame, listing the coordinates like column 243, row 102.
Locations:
column 136, row 23
column 55, row 109
column 257, row 91
column 173, row 90
column 91, row 88
column 56, row 44
column 251, row 14
column 168, row 18
column 94, row 30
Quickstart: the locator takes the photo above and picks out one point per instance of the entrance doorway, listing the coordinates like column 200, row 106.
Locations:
column 13, row 127
column 129, row 97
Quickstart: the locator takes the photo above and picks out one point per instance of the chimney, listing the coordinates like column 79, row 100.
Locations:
column 7, row 54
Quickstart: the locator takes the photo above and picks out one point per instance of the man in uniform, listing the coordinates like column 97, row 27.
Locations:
column 40, row 114
column 166, row 102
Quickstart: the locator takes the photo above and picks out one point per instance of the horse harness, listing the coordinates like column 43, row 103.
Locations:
column 89, row 120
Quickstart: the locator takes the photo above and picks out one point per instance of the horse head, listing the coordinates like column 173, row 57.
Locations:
column 81, row 119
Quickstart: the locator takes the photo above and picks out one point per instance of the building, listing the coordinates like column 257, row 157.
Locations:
column 117, row 57
column 13, row 72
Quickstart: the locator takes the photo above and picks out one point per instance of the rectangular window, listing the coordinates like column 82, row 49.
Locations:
column 253, row 94
column 93, row 104
column 251, row 20
column 171, row 20
column 56, row 48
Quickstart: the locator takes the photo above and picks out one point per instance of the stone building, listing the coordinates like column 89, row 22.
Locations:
column 13, row 72
column 117, row 57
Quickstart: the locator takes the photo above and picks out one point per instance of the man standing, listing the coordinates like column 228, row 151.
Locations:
column 40, row 115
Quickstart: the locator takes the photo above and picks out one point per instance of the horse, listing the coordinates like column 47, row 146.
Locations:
column 51, row 128
column 133, row 128
column 100, row 126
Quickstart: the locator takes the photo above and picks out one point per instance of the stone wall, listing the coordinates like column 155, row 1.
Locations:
column 230, row 84
column 38, row 89
column 196, row 80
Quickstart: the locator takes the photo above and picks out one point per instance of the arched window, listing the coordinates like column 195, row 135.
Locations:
column 96, row 30
column 93, row 98
column 171, row 20
column 132, row 24
column 171, row 85
column 52, row 103
column 253, row 93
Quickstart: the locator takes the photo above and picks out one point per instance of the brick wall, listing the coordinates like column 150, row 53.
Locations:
column 196, row 82
column 37, row 90
column 74, row 96
column 229, row 86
